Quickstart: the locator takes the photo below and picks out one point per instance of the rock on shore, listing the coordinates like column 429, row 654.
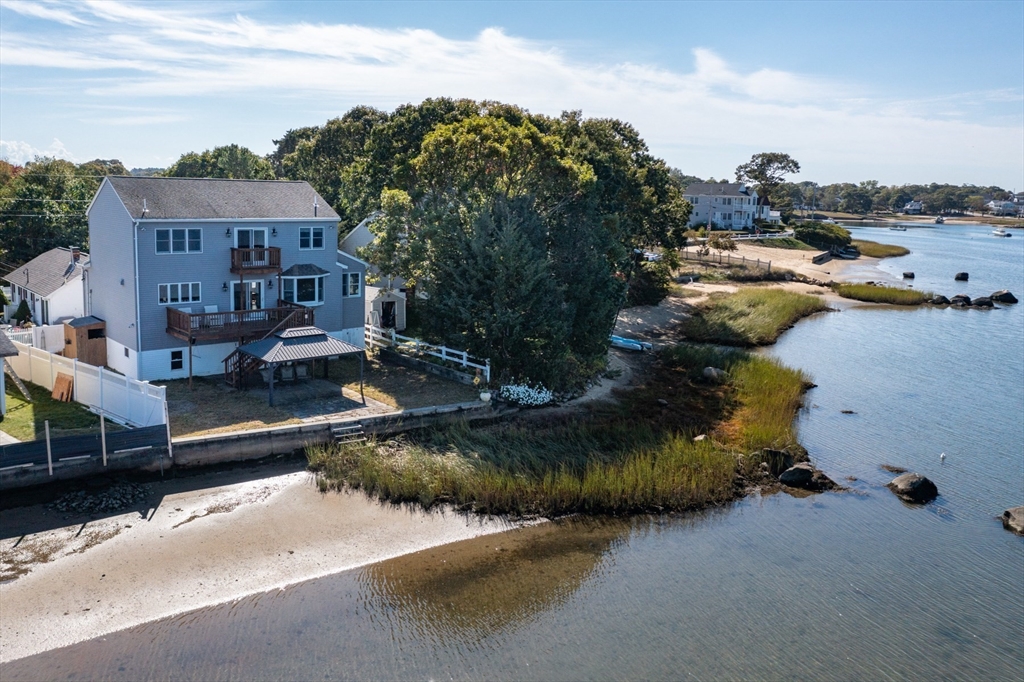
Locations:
column 961, row 300
column 939, row 299
column 806, row 477
column 913, row 488
column 1013, row 520
column 982, row 302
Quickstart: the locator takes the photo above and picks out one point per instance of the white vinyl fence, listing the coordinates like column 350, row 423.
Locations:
column 121, row 398
column 388, row 338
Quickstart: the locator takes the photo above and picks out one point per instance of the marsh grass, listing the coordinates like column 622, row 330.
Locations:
column 881, row 294
column 635, row 457
column 876, row 250
column 750, row 317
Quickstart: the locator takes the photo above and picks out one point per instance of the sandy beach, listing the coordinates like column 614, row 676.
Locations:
column 200, row 540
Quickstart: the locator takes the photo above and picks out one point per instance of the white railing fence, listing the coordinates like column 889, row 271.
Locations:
column 121, row 398
column 407, row 345
column 23, row 336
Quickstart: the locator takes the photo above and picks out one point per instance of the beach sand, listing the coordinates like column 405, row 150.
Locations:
column 201, row 540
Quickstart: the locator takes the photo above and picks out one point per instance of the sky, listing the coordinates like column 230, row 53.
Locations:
column 898, row 92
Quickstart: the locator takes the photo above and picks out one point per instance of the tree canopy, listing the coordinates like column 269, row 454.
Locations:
column 230, row 161
column 767, row 172
column 42, row 205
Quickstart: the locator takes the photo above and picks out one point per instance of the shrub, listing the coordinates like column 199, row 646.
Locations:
column 822, row 235
column 650, row 284
column 23, row 313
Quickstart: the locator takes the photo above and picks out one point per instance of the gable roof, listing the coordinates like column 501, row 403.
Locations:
column 213, row 198
column 45, row 273
column 726, row 189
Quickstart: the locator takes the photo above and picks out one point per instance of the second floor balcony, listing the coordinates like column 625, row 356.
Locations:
column 258, row 261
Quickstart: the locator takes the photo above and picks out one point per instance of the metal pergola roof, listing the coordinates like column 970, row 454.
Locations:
column 297, row 344
column 300, row 344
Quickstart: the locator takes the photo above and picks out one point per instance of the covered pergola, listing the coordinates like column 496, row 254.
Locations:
column 298, row 345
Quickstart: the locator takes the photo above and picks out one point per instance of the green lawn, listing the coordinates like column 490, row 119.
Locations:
column 26, row 420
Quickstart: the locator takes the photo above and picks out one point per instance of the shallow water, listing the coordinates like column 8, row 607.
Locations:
column 838, row 586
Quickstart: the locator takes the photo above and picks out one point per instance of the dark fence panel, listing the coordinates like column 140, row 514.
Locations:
column 72, row 447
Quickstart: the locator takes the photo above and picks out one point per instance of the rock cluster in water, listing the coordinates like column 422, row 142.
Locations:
column 965, row 301
column 115, row 498
column 806, row 477
column 913, row 488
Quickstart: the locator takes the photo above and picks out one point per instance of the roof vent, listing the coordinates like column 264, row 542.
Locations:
column 316, row 205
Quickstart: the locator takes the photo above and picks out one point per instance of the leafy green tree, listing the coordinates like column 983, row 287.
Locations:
column 43, row 207
column 856, row 200
column 230, row 161
column 721, row 242
column 767, row 171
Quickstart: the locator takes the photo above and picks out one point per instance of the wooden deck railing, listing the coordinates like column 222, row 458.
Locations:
column 256, row 261
column 237, row 324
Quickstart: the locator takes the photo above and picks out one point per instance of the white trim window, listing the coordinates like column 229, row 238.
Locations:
column 308, row 291
column 179, row 240
column 351, row 284
column 311, row 238
column 179, row 292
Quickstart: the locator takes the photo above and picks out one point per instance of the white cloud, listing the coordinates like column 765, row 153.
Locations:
column 157, row 51
column 20, row 153
column 44, row 11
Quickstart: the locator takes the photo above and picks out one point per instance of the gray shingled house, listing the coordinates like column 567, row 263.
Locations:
column 180, row 264
column 51, row 284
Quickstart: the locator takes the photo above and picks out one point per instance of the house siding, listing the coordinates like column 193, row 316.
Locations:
column 112, row 261
column 212, row 269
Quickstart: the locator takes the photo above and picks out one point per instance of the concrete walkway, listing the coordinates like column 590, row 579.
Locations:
column 7, row 439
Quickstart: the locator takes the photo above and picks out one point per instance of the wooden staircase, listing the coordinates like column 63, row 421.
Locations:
column 348, row 434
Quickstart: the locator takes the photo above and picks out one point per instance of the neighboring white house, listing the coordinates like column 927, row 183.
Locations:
column 913, row 207
column 1002, row 208
column 52, row 285
column 727, row 205
column 386, row 299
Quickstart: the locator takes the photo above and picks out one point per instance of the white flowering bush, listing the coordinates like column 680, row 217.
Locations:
column 526, row 395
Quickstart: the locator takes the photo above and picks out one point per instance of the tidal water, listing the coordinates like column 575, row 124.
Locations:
column 853, row 585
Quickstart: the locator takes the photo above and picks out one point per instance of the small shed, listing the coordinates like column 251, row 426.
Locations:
column 291, row 347
column 85, row 338
column 7, row 350
column 385, row 308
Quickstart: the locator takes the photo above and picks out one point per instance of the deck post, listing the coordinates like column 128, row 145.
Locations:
column 49, row 452
column 361, row 396
column 103, row 436
column 273, row 366
column 190, row 357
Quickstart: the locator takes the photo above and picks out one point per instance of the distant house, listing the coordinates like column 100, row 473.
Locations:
column 726, row 205
column 386, row 300
column 183, row 270
column 913, row 208
column 52, row 285
column 1002, row 208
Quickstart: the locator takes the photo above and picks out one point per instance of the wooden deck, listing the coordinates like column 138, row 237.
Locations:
column 237, row 324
